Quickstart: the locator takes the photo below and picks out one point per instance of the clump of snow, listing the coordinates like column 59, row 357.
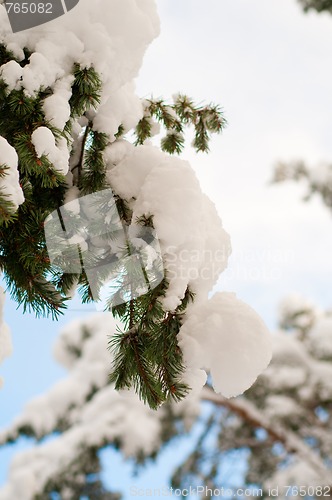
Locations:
column 321, row 175
column 299, row 473
column 108, row 35
column 320, row 338
column 290, row 364
column 11, row 73
column 123, row 107
column 296, row 311
column 279, row 407
column 108, row 416
column 195, row 249
column 10, row 183
column 225, row 336
column 44, row 142
column 56, row 107
column 321, row 380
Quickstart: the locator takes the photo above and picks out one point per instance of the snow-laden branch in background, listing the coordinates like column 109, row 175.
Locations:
column 254, row 417
column 88, row 412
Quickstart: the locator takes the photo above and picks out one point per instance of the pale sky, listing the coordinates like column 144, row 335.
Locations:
column 270, row 67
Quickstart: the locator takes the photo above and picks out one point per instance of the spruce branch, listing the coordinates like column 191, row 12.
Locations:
column 79, row 165
column 149, row 346
column 93, row 174
column 318, row 5
column 86, row 90
column 175, row 117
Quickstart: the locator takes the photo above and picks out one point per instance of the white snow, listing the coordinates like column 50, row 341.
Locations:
column 11, row 73
column 297, row 311
column 44, row 142
column 320, row 338
column 225, row 336
column 123, row 107
column 10, row 183
column 195, row 249
column 56, row 107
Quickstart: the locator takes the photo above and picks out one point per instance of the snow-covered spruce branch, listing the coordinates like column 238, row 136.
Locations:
column 292, row 443
column 68, row 111
column 317, row 179
column 174, row 117
column 282, row 422
column 318, row 5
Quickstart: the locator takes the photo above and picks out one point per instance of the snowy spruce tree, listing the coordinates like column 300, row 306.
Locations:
column 281, row 425
column 87, row 202
column 72, row 127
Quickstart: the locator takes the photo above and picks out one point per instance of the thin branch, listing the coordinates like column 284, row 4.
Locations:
column 79, row 164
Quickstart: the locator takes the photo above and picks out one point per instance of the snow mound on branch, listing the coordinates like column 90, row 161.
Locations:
column 44, row 142
column 110, row 35
column 225, row 336
column 320, row 338
column 56, row 107
column 122, row 107
column 299, row 473
column 297, row 311
column 194, row 245
column 290, row 366
column 11, row 73
column 10, row 183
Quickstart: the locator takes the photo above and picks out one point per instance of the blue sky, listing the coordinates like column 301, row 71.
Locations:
column 269, row 66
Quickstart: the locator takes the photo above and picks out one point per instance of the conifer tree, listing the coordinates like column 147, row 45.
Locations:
column 281, row 426
column 284, row 428
column 71, row 127
column 318, row 5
